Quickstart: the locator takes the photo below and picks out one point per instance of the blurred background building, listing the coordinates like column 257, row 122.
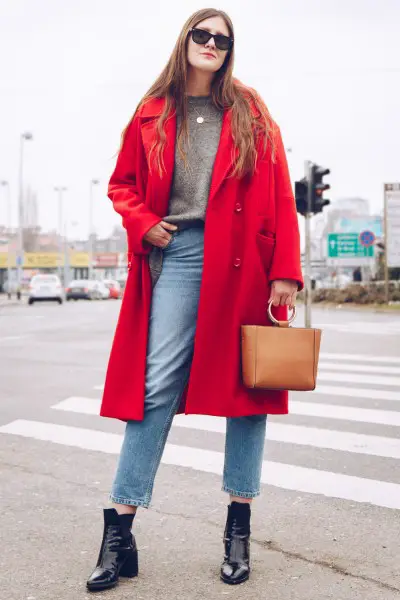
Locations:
column 41, row 251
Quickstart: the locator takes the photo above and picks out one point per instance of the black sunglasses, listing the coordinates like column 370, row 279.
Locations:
column 201, row 36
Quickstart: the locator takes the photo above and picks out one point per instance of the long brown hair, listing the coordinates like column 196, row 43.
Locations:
column 226, row 92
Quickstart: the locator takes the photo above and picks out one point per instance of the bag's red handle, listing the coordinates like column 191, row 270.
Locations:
column 281, row 323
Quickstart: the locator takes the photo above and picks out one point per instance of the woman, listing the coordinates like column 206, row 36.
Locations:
column 202, row 185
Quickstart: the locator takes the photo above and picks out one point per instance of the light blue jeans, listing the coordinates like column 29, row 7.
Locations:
column 170, row 349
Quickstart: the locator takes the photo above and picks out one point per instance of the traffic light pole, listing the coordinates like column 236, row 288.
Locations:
column 309, row 194
column 307, row 255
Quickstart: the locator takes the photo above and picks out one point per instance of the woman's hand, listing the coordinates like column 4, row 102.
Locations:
column 158, row 235
column 283, row 292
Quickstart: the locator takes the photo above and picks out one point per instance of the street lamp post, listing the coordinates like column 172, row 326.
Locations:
column 70, row 227
column 93, row 182
column 24, row 137
column 6, row 186
column 60, row 190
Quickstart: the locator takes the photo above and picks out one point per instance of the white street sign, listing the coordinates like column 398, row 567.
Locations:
column 392, row 217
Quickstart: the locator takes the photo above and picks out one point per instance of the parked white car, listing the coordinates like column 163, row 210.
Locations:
column 340, row 281
column 45, row 287
column 103, row 289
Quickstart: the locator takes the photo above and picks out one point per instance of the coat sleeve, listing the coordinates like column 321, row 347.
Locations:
column 286, row 262
column 123, row 192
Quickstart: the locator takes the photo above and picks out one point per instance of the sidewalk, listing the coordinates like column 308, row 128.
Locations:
column 5, row 301
column 180, row 542
column 352, row 306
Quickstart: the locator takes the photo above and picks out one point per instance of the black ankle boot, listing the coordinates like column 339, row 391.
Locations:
column 118, row 553
column 236, row 565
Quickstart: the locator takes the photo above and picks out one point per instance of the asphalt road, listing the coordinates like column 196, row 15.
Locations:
column 326, row 526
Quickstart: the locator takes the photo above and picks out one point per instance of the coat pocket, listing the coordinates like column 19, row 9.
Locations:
column 266, row 247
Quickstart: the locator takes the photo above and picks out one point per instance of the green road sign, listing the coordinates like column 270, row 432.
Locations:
column 348, row 245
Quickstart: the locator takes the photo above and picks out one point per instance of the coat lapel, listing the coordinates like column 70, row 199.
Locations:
column 160, row 186
column 223, row 159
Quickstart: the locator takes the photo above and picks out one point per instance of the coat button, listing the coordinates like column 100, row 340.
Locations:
column 238, row 207
column 237, row 262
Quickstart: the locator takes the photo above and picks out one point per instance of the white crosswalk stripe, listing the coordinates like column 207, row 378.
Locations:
column 352, row 392
column 364, row 327
column 359, row 378
column 282, row 475
column 324, row 434
column 361, row 358
column 326, row 366
column 373, row 394
column 345, row 413
column 90, row 406
column 294, row 434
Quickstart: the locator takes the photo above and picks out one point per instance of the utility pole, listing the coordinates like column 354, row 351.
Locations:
column 93, row 182
column 308, row 169
column 61, row 244
column 20, row 252
column 66, row 256
column 6, row 187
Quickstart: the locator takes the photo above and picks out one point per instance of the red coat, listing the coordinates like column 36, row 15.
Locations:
column 251, row 237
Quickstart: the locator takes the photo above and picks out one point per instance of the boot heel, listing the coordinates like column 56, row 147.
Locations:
column 130, row 568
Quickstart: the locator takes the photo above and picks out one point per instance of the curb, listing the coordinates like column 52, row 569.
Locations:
column 352, row 307
column 13, row 302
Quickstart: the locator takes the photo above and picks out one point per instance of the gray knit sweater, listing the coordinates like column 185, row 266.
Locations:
column 191, row 185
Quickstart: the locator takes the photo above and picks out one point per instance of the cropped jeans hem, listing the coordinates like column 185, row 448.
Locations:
column 118, row 500
column 240, row 494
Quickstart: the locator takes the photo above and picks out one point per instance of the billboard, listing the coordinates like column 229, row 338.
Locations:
column 45, row 260
column 392, row 214
column 359, row 224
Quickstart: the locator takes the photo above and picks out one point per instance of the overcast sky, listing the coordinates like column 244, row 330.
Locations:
column 73, row 71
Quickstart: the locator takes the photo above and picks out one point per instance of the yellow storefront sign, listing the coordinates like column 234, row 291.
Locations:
column 46, row 260
column 42, row 260
column 79, row 259
column 4, row 260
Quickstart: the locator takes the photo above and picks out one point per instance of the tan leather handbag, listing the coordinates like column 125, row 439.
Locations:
column 280, row 357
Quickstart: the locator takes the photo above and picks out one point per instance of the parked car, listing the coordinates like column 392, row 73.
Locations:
column 122, row 281
column 45, row 287
column 103, row 289
column 87, row 289
column 340, row 281
column 114, row 287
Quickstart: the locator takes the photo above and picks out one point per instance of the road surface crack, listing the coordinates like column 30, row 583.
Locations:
column 271, row 545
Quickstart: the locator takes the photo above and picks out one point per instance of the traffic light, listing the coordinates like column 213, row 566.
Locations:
column 318, row 188
column 314, row 185
column 301, row 192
